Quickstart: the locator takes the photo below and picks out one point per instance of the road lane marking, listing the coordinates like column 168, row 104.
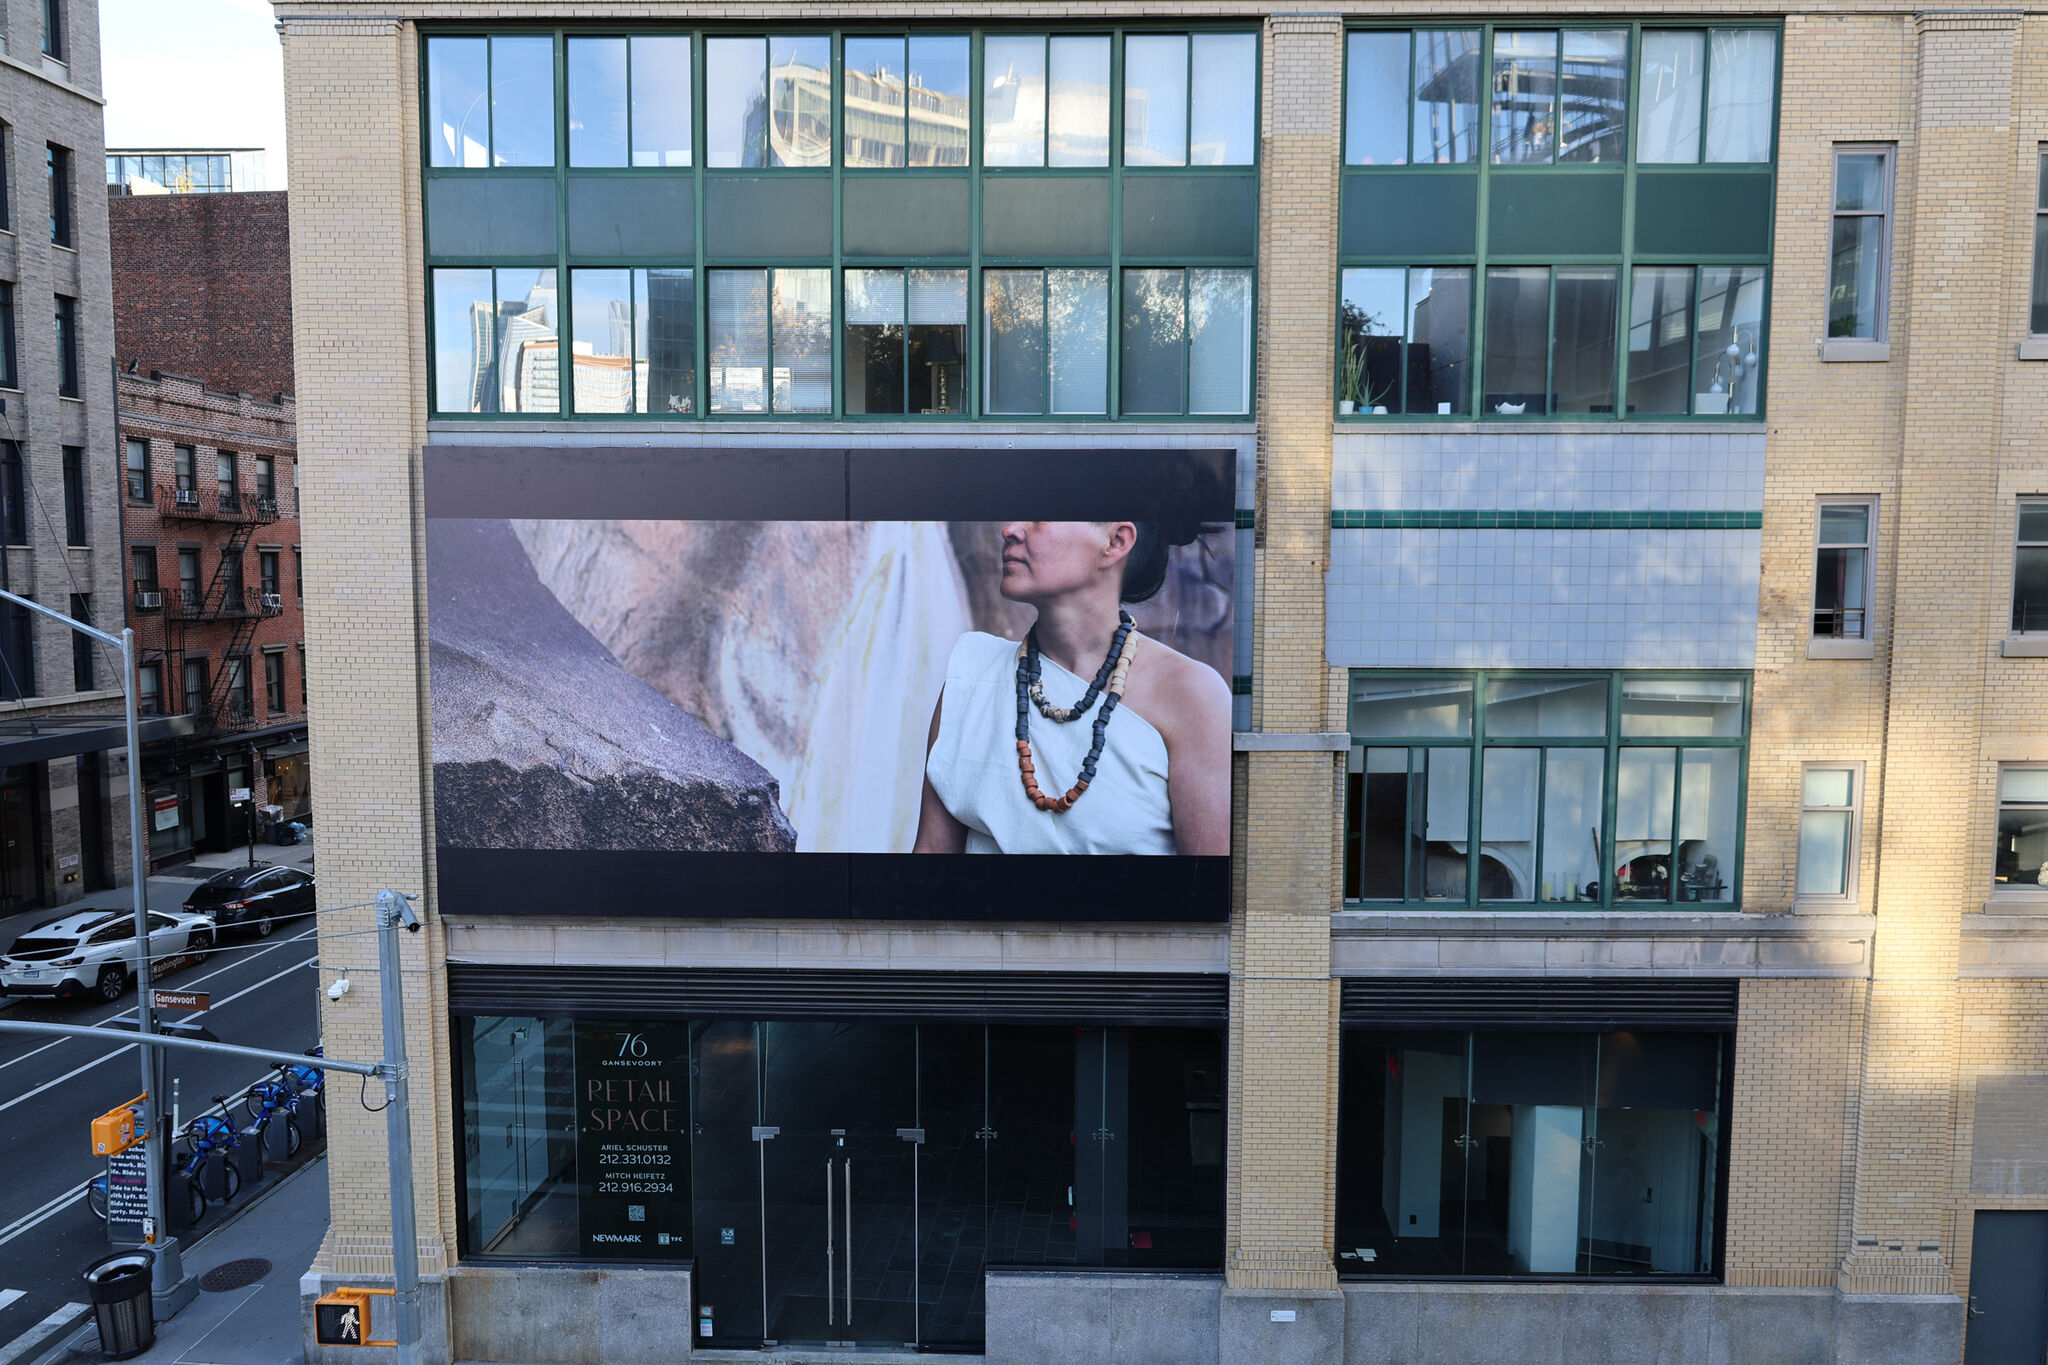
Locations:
column 75, row 1071
column 8, row 1296
column 130, row 1013
column 63, row 1320
column 250, row 990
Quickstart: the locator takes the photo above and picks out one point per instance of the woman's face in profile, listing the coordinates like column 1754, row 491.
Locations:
column 1044, row 559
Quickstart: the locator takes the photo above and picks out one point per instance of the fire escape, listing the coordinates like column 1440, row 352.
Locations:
column 224, row 601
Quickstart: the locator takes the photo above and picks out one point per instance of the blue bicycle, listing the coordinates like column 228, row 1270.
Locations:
column 205, row 1135
column 268, row 1101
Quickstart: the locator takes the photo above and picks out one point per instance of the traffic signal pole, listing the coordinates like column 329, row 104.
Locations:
column 393, row 913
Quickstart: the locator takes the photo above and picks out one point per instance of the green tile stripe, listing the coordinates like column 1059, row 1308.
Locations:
column 1241, row 685
column 1468, row 520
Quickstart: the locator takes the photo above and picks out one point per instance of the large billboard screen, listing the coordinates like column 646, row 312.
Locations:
column 768, row 683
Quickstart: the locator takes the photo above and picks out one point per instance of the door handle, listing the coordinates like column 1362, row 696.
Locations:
column 1975, row 1311
column 831, row 1312
column 849, row 1241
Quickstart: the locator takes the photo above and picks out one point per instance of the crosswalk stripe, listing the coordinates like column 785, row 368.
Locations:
column 8, row 1296
column 65, row 1318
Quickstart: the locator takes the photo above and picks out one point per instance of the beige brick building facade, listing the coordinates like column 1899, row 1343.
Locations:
column 1878, row 1056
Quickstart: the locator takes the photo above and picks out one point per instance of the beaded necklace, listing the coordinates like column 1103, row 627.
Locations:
column 1109, row 684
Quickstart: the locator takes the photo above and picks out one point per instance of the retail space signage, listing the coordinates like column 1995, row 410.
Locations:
column 164, row 812
column 826, row 683
column 633, row 1140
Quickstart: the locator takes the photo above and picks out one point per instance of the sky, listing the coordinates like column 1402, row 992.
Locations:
column 194, row 73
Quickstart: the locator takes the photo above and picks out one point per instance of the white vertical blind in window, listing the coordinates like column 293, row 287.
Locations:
column 1077, row 308
column 938, row 298
column 1668, row 95
column 1219, row 341
column 738, row 349
column 1739, row 98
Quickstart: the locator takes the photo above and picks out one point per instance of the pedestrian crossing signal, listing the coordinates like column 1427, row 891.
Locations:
column 343, row 1318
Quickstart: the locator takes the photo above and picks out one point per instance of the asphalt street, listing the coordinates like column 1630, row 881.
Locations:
column 262, row 993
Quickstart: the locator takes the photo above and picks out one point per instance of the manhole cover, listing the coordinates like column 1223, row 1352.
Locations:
column 234, row 1275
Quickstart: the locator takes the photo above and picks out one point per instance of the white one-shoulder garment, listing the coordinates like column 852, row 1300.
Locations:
column 973, row 764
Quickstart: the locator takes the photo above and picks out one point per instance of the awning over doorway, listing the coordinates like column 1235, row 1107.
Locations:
column 36, row 738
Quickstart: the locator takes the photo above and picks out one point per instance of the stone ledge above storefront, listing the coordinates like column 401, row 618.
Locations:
column 757, row 943
column 1524, row 943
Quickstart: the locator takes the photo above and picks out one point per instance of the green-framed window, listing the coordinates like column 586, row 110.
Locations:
column 1556, row 221
column 834, row 176
column 1604, row 789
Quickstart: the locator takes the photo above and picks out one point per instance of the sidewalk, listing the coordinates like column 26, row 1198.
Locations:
column 248, row 1269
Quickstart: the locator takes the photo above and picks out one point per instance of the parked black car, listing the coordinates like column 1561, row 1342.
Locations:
column 256, row 896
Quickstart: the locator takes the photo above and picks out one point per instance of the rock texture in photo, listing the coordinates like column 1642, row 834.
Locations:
column 542, row 740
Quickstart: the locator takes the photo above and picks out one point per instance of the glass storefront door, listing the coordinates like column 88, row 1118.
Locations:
column 839, row 1164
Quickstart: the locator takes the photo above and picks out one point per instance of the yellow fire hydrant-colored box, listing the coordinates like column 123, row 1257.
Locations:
column 114, row 1131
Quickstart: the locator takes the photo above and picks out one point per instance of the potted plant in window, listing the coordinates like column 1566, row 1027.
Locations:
column 1352, row 373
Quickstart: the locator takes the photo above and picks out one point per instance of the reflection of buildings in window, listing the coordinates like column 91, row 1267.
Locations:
column 874, row 105
column 800, row 122
column 529, row 367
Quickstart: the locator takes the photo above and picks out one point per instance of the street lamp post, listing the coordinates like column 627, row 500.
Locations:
column 169, row 1285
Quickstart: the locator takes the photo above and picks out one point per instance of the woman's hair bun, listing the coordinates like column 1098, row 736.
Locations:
column 1145, row 570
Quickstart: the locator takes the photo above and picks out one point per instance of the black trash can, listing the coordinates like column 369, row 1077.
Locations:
column 120, row 1287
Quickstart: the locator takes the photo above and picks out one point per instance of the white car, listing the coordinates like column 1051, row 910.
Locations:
column 92, row 952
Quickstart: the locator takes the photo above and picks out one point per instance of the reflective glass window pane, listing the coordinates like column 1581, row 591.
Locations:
column 1369, row 355
column 2033, row 522
column 1731, row 320
column 464, row 342
column 1155, row 99
column 1220, row 341
column 1380, row 796
column 1225, row 83
column 661, row 101
column 1507, row 824
column 1823, row 853
column 1078, row 131
column 1376, row 99
column 1594, row 98
column 1517, row 339
column 529, row 348
column 597, row 101
column 1546, row 708
column 800, row 101
column 1436, row 855
column 1857, row 257
column 2022, row 852
column 1860, row 182
column 1707, row 809
column 2025, row 785
column 1828, row 786
column 1741, row 95
column 938, row 102
column 1446, row 119
column 601, row 339
column 458, row 118
column 1668, row 95
column 872, row 348
column 1582, row 368
column 522, row 101
column 802, row 320
column 937, row 306
column 1841, row 592
column 1173, row 1164
column 518, row 1115
column 1402, row 1136
column 1412, row 708
column 1844, row 523
column 874, row 102
column 1690, row 708
column 1644, row 785
column 1154, row 330
column 1013, row 100
column 2030, row 588
column 1574, row 781
column 1077, row 327
column 1651, row 1156
column 735, row 102
column 1524, row 129
column 665, row 317
column 737, row 354
column 1013, row 341
column 2037, row 314
column 1440, row 340
column 1660, row 339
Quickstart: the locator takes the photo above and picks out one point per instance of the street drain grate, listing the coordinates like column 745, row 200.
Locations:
column 234, row 1275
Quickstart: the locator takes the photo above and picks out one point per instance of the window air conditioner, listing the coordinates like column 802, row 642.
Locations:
column 273, row 601
column 188, row 497
column 148, row 601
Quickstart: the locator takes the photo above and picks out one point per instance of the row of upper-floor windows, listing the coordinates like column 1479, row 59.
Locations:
column 1559, row 96
column 1010, row 342
column 223, row 482
column 859, row 100
column 198, row 695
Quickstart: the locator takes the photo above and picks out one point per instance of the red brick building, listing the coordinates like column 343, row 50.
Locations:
column 209, row 500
